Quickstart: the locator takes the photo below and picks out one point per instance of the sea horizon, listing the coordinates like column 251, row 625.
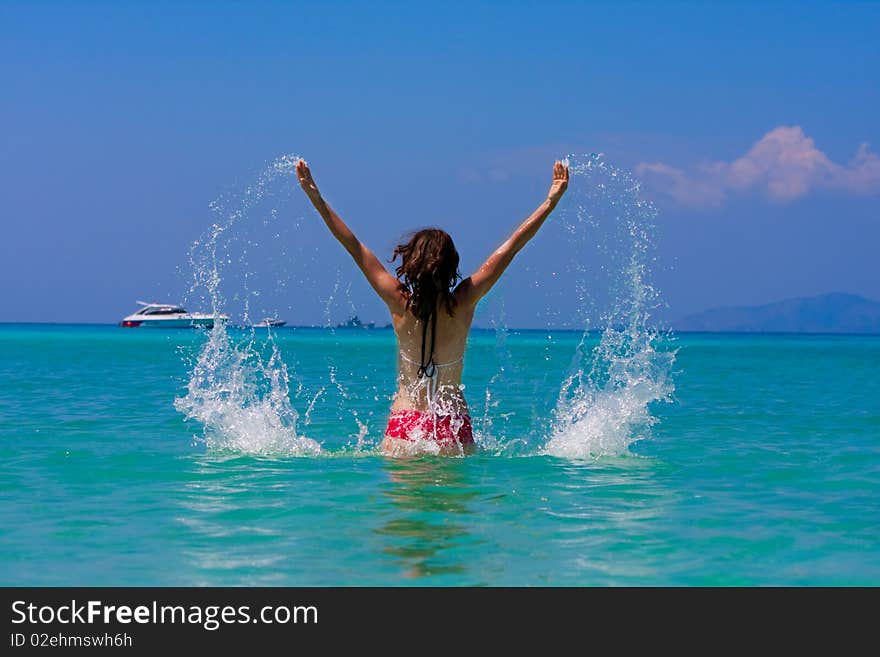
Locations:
column 661, row 330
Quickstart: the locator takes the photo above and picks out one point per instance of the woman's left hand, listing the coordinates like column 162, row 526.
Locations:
column 306, row 181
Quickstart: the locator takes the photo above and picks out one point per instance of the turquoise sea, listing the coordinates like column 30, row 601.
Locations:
column 762, row 467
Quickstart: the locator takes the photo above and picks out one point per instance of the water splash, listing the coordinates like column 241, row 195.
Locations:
column 241, row 398
column 490, row 428
column 604, row 404
column 238, row 388
column 211, row 258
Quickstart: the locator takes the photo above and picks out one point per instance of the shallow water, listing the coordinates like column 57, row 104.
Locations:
column 764, row 470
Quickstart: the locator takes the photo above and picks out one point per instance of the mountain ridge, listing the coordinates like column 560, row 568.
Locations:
column 836, row 312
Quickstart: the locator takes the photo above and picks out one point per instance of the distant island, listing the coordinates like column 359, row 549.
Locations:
column 826, row 313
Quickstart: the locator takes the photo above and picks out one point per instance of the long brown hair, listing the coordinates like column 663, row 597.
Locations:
column 428, row 271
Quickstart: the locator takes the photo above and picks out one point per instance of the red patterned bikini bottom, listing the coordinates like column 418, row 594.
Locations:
column 445, row 430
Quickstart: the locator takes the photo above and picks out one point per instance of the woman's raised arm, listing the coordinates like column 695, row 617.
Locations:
column 384, row 283
column 480, row 282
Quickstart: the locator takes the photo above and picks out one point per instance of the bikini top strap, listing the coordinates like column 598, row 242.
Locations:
column 437, row 365
column 428, row 368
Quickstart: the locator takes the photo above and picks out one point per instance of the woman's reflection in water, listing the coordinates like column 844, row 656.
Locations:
column 427, row 532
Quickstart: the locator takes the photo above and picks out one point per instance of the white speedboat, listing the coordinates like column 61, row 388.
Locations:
column 165, row 315
column 269, row 322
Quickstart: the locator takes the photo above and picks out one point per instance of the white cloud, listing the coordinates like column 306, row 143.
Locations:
column 687, row 190
column 784, row 164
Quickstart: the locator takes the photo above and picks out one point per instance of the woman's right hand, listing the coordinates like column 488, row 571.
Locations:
column 560, row 182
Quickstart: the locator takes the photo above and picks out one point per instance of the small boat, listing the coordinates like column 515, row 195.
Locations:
column 269, row 322
column 166, row 315
column 355, row 322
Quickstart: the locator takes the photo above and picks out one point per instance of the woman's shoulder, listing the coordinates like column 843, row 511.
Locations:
column 464, row 292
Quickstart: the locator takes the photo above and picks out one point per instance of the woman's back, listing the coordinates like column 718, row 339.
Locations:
column 440, row 393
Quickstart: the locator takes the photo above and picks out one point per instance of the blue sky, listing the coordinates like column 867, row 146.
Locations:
column 123, row 120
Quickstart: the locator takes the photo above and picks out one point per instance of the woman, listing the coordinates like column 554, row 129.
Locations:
column 431, row 317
